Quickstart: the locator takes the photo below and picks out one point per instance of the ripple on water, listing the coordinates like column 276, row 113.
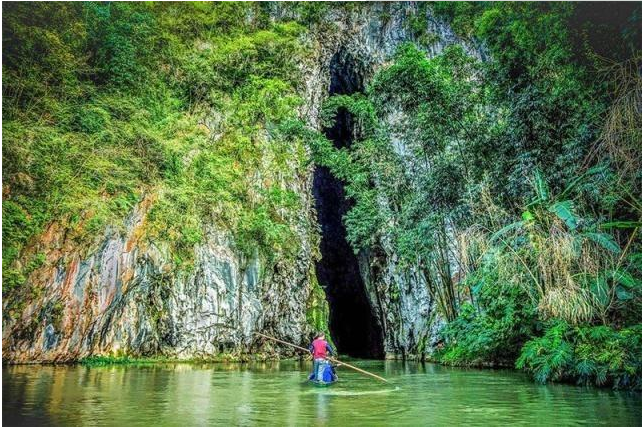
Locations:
column 348, row 393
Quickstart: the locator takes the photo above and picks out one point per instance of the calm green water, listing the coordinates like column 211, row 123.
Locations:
column 276, row 394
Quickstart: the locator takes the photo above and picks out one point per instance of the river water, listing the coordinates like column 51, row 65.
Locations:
column 276, row 394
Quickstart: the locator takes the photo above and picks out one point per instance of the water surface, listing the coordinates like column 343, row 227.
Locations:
column 276, row 394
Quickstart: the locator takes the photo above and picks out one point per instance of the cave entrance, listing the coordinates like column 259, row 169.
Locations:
column 353, row 326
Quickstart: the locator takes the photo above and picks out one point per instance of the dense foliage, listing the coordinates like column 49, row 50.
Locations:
column 511, row 185
column 107, row 103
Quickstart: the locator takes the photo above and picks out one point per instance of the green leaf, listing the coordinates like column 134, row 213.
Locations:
column 625, row 279
column 541, row 187
column 528, row 216
column 605, row 240
column 506, row 229
column 621, row 224
column 564, row 210
column 571, row 186
column 622, row 293
column 635, row 259
column 598, row 288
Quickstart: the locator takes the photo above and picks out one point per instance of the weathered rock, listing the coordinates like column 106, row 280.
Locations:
column 369, row 36
column 126, row 297
column 123, row 295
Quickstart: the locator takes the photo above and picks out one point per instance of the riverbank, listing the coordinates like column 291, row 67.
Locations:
column 106, row 360
column 264, row 358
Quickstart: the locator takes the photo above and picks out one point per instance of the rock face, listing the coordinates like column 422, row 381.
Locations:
column 123, row 295
column 365, row 40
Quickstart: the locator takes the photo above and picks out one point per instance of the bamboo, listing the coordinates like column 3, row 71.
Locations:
column 334, row 360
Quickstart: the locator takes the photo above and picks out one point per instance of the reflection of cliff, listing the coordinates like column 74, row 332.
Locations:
column 134, row 395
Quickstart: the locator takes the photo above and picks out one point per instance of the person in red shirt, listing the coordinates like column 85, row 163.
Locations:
column 319, row 349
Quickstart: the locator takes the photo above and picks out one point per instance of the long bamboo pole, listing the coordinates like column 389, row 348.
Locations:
column 329, row 358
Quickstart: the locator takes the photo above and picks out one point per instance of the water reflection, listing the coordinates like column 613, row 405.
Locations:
column 277, row 394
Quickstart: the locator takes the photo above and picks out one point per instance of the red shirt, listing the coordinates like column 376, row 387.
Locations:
column 319, row 348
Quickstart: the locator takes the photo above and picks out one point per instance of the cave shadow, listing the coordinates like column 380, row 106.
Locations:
column 353, row 326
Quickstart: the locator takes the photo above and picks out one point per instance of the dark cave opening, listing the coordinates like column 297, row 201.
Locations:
column 353, row 326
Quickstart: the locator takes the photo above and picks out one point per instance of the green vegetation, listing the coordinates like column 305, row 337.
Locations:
column 318, row 312
column 105, row 103
column 511, row 186
column 105, row 360
column 592, row 355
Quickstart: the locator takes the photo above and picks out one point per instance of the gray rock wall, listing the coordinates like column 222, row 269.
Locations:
column 123, row 295
column 370, row 36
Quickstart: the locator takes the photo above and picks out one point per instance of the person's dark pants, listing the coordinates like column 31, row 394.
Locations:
column 315, row 368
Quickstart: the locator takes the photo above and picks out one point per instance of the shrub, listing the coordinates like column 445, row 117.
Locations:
column 598, row 355
column 549, row 357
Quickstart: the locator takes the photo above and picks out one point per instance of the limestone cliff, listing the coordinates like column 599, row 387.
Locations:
column 365, row 40
column 122, row 294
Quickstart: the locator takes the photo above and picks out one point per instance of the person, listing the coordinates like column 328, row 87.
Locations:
column 319, row 349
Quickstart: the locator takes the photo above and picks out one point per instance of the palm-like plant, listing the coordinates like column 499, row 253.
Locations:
column 575, row 267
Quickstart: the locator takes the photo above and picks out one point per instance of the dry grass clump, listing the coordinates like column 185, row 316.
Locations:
column 558, row 268
column 622, row 132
